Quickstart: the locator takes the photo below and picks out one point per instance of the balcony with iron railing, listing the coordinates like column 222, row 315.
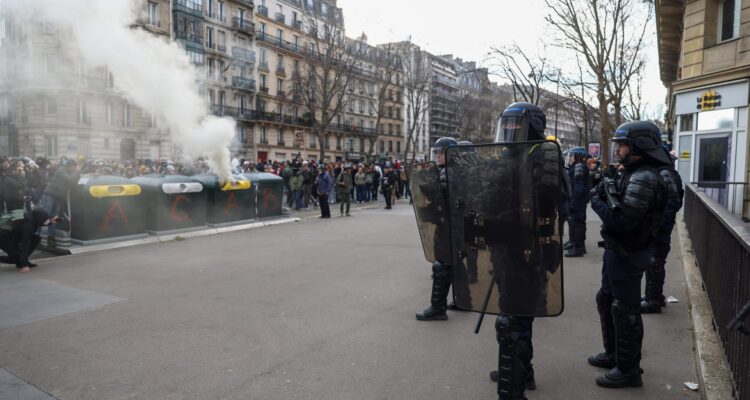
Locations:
column 242, row 83
column 281, row 71
column 297, row 24
column 243, row 25
column 264, row 89
column 243, row 54
column 445, row 80
column 263, row 10
column 221, row 48
column 193, row 8
column 279, row 42
column 353, row 129
column 246, row 3
column 281, row 18
column 189, row 37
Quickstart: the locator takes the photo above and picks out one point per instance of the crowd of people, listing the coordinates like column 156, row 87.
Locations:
column 308, row 183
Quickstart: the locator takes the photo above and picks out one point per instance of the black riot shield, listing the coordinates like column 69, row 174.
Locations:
column 506, row 230
column 432, row 212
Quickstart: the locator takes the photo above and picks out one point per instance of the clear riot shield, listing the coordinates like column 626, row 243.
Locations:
column 506, row 230
column 431, row 212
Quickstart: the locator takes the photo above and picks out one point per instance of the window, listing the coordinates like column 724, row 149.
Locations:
column 50, row 144
column 717, row 119
column 729, row 19
column 263, row 135
column 153, row 13
column 50, row 105
column 210, row 37
column 280, row 137
column 351, row 105
column 280, row 34
column 313, row 141
column 84, row 146
column 239, row 136
column 338, row 142
column 109, row 114
column 243, row 103
column 153, row 149
column 4, row 110
column 153, row 121
column 382, row 146
column 686, row 122
column 222, row 41
column 126, row 114
column 279, row 86
column 50, row 63
column 263, row 82
column 106, row 143
column 221, row 17
column 398, row 129
column 264, row 58
column 398, row 147
column 195, row 57
column 390, row 146
column 280, row 62
column 83, row 114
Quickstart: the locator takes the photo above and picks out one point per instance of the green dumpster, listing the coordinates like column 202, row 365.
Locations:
column 106, row 208
column 229, row 202
column 269, row 189
column 173, row 202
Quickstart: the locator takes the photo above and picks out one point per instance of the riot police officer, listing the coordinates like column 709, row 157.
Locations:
column 441, row 269
column 628, row 229
column 532, row 251
column 578, row 173
column 653, row 300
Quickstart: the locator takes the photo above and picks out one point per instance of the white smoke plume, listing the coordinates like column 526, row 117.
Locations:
column 153, row 73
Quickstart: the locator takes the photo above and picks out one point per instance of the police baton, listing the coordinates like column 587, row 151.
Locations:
column 484, row 307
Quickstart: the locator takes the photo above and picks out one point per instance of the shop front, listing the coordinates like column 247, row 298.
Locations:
column 711, row 145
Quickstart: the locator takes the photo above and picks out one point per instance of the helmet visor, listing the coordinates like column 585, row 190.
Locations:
column 512, row 129
column 437, row 154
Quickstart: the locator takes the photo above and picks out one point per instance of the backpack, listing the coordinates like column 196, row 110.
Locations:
column 9, row 220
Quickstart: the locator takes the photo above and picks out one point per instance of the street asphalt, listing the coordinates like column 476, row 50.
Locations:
column 317, row 309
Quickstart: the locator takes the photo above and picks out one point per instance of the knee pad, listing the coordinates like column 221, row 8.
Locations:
column 604, row 302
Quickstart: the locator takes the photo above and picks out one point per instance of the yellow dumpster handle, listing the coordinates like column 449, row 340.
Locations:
column 100, row 191
column 236, row 185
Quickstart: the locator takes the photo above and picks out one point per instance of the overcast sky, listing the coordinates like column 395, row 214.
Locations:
column 468, row 28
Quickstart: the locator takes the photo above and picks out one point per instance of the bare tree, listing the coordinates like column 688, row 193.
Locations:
column 590, row 28
column 577, row 95
column 628, row 61
column 329, row 64
column 634, row 109
column 417, row 79
column 525, row 73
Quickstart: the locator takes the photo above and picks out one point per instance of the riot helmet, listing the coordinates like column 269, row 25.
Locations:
column 439, row 148
column 576, row 155
column 644, row 139
column 521, row 122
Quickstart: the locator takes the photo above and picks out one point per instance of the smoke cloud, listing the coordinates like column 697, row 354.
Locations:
column 151, row 72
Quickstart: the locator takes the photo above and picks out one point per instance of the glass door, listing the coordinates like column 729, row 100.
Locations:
column 713, row 166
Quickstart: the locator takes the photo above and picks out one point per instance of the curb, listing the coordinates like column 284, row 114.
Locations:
column 168, row 238
column 710, row 360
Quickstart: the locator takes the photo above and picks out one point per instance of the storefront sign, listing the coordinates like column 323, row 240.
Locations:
column 710, row 100
column 717, row 97
column 355, row 156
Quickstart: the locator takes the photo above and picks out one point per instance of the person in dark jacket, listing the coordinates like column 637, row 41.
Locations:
column 21, row 241
column 55, row 196
column 324, row 188
column 15, row 188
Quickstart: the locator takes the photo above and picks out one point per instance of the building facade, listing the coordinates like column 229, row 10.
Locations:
column 704, row 58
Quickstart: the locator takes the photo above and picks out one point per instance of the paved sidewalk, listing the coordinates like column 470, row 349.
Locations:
column 318, row 309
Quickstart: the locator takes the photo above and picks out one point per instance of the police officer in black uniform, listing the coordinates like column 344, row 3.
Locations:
column 628, row 230
column 530, row 251
column 441, row 269
column 653, row 300
column 578, row 173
